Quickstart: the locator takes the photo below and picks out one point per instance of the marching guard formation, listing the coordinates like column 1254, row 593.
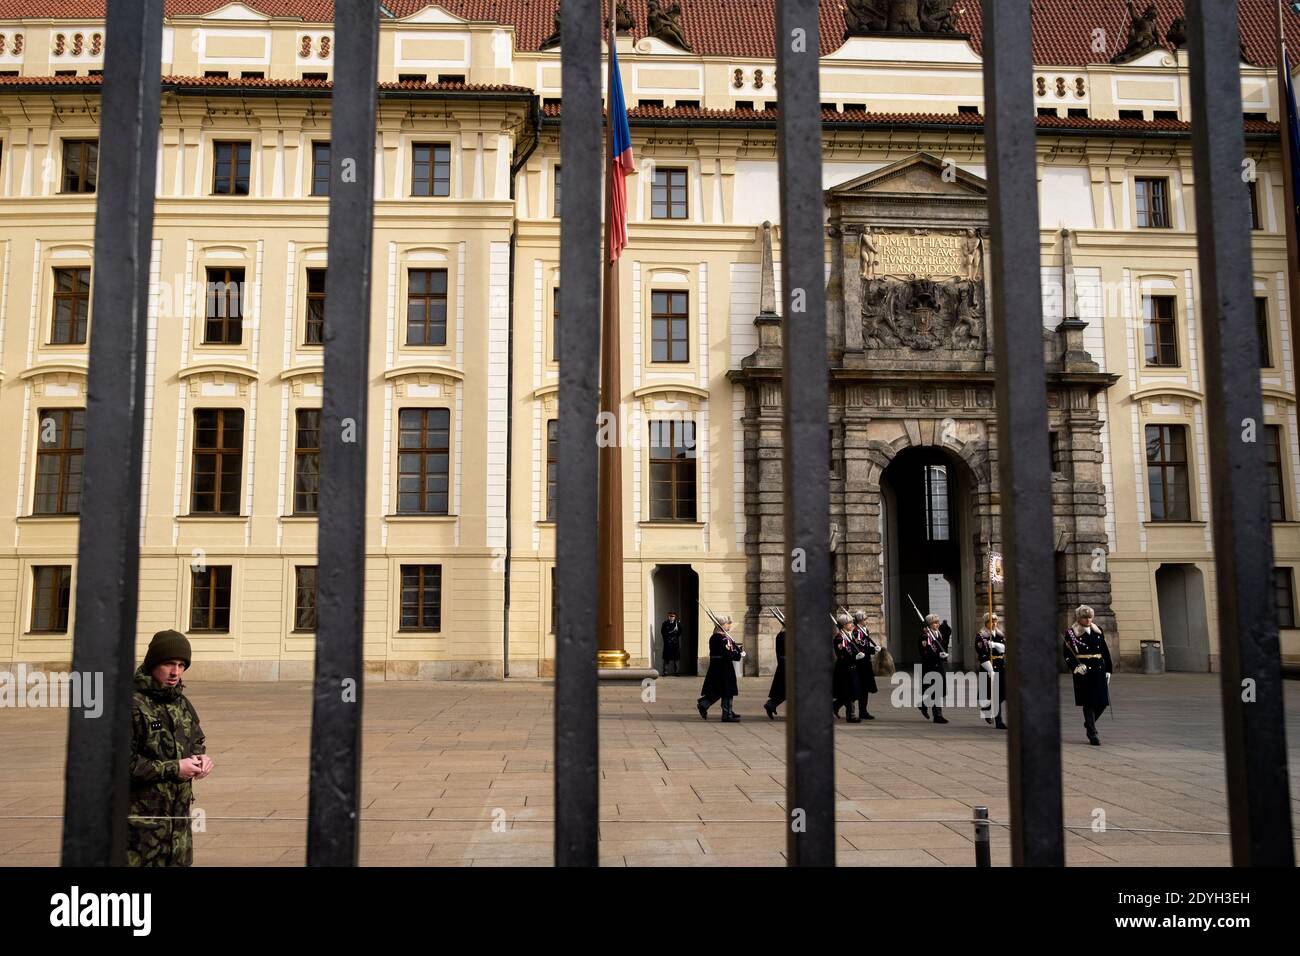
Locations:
column 856, row 655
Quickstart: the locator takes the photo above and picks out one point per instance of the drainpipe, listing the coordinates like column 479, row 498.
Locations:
column 535, row 119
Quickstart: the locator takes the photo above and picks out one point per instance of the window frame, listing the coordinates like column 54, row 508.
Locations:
column 227, row 322
column 430, row 298
column 219, row 452
column 422, row 588
column 1158, row 202
column 232, row 180
column 1261, row 329
column 432, row 163
column 1285, row 611
column 63, row 453
column 86, row 181
column 555, row 192
column 211, row 591
column 552, row 467
column 668, row 319
column 60, row 594
column 317, row 187
column 1165, row 465
column 1152, row 327
column 78, row 296
column 425, row 452
column 299, row 591
column 668, row 203
column 675, row 464
column 311, row 298
column 302, row 454
column 1275, row 471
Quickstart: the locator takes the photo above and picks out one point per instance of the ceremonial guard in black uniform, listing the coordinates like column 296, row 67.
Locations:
column 776, row 693
column 671, row 632
column 1089, row 658
column 991, row 646
column 720, row 679
column 845, row 681
column 866, row 665
column 934, row 660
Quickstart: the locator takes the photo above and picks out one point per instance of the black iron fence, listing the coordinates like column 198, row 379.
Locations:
column 95, row 813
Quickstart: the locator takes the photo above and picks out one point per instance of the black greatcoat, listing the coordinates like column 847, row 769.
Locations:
column 845, row 681
column 777, row 690
column 671, row 631
column 983, row 648
column 932, row 643
column 866, row 666
column 1088, row 648
column 720, row 679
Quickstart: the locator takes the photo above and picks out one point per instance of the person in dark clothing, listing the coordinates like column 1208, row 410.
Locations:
column 866, row 665
column 671, row 632
column 845, row 681
column 991, row 648
column 776, row 693
column 1089, row 659
column 720, row 679
column 934, row 660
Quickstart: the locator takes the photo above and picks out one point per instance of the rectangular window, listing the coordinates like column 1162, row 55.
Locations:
column 423, row 459
column 320, row 168
column 1284, row 597
column 668, row 194
column 1167, row 480
column 224, row 316
column 71, row 306
column 669, row 340
column 59, row 452
column 1161, row 333
column 1273, row 472
column 555, row 607
column 832, row 465
column 421, row 597
column 426, row 307
column 1054, row 441
column 80, row 165
column 314, row 333
column 1261, row 328
column 412, row 77
column 555, row 324
column 1252, row 189
column 1152, row 202
column 936, row 502
column 218, row 455
column 51, row 595
column 431, row 169
column 232, row 162
column 306, row 462
column 304, row 597
column 672, row 471
column 557, row 192
column 552, row 465
column 210, row 598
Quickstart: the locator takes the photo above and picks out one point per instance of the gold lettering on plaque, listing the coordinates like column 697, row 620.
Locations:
column 932, row 256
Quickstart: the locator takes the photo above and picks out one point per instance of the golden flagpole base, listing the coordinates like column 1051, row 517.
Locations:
column 614, row 659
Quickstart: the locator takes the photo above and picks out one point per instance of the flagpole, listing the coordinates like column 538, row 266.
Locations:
column 1289, row 189
column 609, row 609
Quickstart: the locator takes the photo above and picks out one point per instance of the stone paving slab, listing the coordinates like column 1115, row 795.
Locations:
column 460, row 774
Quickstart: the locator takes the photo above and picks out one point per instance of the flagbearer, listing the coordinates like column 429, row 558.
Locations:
column 1089, row 658
column 991, row 647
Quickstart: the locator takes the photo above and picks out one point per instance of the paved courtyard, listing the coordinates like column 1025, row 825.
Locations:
column 443, row 762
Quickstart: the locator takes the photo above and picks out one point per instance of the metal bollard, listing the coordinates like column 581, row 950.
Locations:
column 981, row 822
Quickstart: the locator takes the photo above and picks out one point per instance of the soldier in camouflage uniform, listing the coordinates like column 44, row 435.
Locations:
column 167, row 753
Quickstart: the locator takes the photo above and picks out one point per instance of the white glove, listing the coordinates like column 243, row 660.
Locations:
column 998, row 648
column 943, row 655
column 1108, row 678
column 744, row 653
column 860, row 656
column 1081, row 669
column 987, row 666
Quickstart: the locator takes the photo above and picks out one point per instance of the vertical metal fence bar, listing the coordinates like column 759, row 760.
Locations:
column 333, row 825
column 1253, row 718
column 577, row 758
column 1024, row 469
column 810, row 733
column 108, row 541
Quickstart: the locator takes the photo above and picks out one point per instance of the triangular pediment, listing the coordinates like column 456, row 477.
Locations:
column 432, row 13
column 920, row 173
column 234, row 11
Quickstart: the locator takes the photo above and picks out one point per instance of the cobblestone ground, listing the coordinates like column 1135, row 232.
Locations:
column 443, row 762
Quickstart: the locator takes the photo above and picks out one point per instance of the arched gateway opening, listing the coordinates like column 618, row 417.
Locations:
column 928, row 551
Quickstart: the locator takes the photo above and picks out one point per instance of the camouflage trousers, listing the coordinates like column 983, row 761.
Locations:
column 156, row 841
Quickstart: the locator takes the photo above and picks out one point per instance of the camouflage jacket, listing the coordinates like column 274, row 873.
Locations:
column 164, row 729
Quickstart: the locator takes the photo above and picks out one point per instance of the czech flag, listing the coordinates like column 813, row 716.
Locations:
column 621, row 158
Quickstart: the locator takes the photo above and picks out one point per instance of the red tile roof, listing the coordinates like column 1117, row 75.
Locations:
column 220, row 82
column 1063, row 29
column 974, row 121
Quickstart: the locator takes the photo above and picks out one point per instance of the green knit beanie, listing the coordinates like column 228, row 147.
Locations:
column 167, row 646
